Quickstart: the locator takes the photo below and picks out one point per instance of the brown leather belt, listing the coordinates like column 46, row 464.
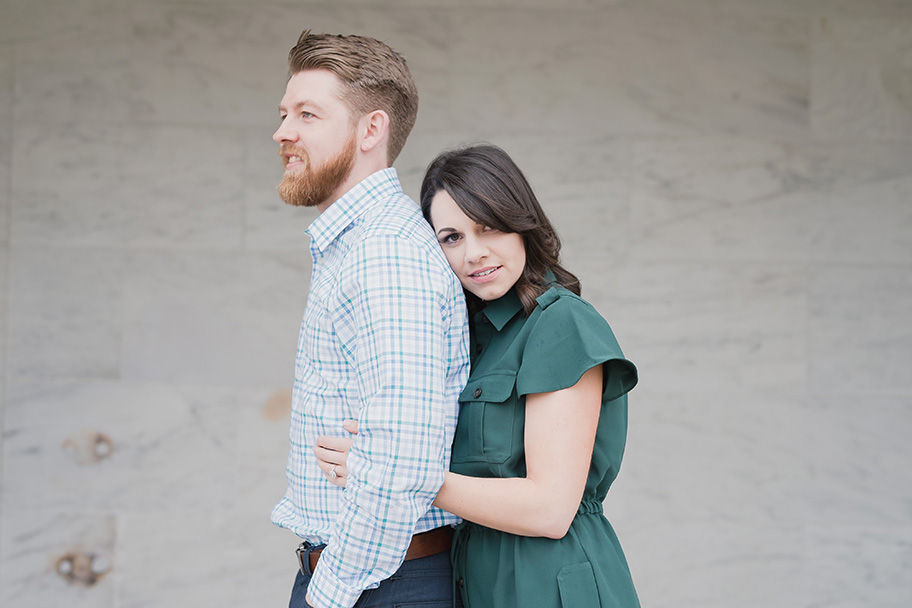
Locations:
column 424, row 544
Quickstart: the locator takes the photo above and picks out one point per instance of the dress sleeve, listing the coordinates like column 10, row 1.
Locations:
column 569, row 338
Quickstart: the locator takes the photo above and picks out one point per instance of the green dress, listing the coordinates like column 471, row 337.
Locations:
column 514, row 356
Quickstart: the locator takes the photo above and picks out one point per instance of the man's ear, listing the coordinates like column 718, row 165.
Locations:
column 374, row 128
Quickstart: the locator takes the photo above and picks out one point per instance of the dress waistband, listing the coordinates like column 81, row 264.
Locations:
column 592, row 506
column 587, row 507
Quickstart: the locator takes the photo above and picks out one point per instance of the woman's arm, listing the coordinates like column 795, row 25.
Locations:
column 559, row 436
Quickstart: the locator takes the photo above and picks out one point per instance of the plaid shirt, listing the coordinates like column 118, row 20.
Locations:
column 384, row 340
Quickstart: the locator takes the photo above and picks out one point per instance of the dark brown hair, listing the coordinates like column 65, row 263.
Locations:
column 374, row 77
column 491, row 190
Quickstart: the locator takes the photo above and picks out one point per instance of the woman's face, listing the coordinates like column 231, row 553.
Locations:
column 488, row 262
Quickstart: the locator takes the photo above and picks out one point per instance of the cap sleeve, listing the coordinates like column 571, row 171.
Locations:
column 569, row 338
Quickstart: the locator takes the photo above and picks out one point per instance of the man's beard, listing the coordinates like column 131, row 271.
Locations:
column 308, row 186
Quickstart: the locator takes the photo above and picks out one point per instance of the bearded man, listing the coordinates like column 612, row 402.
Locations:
column 384, row 338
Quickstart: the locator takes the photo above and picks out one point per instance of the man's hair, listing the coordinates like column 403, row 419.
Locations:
column 374, row 77
column 491, row 190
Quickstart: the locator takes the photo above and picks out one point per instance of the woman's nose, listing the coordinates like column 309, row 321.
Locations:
column 475, row 250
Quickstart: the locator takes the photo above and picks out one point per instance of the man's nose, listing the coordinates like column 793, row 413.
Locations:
column 284, row 134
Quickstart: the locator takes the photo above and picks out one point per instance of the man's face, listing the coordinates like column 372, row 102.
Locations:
column 316, row 140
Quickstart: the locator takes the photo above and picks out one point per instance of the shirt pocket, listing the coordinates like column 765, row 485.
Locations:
column 484, row 432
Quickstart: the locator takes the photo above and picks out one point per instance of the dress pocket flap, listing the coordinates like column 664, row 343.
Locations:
column 577, row 586
column 491, row 388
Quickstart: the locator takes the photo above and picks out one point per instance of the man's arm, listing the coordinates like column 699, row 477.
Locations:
column 395, row 329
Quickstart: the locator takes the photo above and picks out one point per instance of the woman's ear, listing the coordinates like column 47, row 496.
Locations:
column 374, row 129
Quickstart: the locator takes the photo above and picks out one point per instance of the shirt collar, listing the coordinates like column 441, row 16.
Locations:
column 352, row 205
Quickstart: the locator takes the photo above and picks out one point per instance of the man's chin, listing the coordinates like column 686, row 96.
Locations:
column 291, row 193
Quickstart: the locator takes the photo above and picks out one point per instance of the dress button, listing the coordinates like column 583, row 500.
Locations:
column 461, row 582
column 478, row 348
column 478, row 392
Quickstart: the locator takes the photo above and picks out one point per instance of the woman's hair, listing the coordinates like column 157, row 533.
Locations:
column 374, row 77
column 492, row 191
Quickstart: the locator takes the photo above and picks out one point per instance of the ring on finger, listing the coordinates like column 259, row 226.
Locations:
column 332, row 472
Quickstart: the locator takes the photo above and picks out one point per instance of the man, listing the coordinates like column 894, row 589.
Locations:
column 383, row 340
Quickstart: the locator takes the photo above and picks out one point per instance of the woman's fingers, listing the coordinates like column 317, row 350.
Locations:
column 336, row 444
column 332, row 453
column 329, row 457
column 336, row 473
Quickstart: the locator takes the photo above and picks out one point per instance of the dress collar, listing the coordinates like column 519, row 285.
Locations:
column 501, row 310
column 504, row 308
column 352, row 205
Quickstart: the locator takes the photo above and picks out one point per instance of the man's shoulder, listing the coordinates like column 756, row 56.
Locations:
column 395, row 215
column 397, row 222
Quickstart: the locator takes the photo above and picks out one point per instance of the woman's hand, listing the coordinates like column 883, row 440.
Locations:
column 332, row 454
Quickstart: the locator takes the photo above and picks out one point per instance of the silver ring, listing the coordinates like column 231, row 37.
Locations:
column 332, row 472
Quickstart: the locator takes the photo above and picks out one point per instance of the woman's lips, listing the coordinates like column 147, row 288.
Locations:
column 484, row 275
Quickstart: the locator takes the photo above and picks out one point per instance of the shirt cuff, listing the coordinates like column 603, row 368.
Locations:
column 327, row 591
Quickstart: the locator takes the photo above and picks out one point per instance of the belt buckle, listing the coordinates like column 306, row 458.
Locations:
column 303, row 551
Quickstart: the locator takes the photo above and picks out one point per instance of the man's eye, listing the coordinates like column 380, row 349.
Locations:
column 307, row 115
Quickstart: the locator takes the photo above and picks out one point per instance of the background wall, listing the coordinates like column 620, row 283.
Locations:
column 732, row 180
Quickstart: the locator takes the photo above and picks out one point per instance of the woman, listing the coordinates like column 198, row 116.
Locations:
column 543, row 417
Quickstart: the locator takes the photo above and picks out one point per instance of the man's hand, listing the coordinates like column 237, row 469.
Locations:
column 332, row 454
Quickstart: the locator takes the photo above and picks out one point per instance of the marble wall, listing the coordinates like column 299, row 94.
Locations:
column 733, row 183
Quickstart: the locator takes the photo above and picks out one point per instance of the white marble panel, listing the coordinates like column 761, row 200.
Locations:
column 713, row 326
column 631, row 70
column 65, row 313
column 226, row 63
column 4, row 332
column 862, row 80
column 739, row 458
column 868, row 222
column 702, row 199
column 854, row 566
column 35, row 549
column 860, row 329
column 128, row 187
column 214, row 318
column 205, row 559
column 789, row 8
column 270, row 224
column 514, row 4
column 71, row 60
column 858, row 445
column 717, row 565
column 6, row 132
column 7, row 23
column 749, row 200
column 114, row 447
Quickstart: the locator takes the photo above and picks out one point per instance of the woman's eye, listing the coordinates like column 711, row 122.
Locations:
column 489, row 229
column 450, row 238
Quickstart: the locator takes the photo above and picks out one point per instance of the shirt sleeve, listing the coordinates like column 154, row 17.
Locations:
column 397, row 302
column 569, row 338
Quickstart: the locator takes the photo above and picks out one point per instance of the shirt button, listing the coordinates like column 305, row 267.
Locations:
column 477, row 393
